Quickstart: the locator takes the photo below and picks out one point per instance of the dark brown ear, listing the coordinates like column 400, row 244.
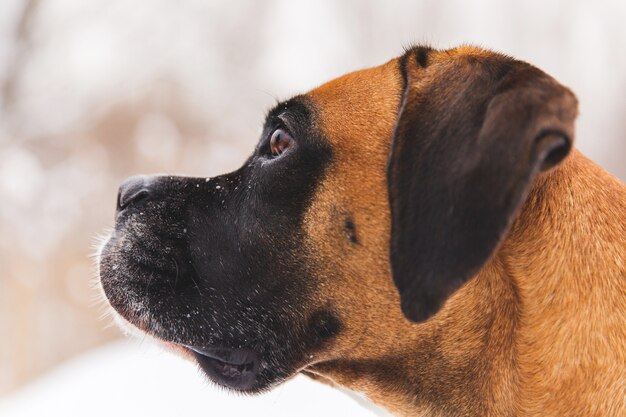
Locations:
column 472, row 134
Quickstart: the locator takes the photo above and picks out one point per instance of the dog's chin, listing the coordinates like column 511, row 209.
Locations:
column 228, row 364
column 235, row 369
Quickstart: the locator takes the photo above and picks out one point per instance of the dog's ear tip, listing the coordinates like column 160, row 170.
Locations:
column 552, row 148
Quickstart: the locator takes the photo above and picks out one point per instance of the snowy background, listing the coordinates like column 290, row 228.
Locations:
column 94, row 91
column 140, row 379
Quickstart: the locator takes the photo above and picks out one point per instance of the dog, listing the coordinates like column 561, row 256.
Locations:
column 422, row 232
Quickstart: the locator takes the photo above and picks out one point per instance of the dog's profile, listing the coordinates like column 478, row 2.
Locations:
column 422, row 232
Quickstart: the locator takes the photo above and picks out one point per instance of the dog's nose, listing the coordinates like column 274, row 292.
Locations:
column 133, row 190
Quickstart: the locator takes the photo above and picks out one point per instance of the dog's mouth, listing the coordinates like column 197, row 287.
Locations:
column 235, row 368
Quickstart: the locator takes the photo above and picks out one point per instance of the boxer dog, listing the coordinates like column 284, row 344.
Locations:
column 422, row 232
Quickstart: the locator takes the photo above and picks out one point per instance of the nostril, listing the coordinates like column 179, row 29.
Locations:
column 131, row 191
column 126, row 199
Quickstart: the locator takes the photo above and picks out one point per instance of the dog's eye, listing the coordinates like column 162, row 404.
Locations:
column 280, row 142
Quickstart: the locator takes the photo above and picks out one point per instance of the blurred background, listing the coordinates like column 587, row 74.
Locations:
column 94, row 91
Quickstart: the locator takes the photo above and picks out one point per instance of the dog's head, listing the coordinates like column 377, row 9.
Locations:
column 409, row 174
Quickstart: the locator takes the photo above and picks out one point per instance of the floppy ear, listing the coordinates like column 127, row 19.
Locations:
column 472, row 134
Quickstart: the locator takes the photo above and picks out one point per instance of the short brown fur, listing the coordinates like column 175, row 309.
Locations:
column 538, row 331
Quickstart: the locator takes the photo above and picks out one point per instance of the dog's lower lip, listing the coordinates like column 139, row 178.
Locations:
column 229, row 356
column 235, row 368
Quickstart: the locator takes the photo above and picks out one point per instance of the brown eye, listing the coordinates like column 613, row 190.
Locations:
column 280, row 142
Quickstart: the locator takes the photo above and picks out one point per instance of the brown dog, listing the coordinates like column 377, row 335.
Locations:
column 442, row 172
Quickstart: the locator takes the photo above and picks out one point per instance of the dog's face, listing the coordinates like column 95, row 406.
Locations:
column 295, row 260
column 245, row 269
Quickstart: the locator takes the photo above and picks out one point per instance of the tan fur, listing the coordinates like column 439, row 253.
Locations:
column 539, row 331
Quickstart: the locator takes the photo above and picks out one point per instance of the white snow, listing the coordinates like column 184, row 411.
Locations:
column 130, row 378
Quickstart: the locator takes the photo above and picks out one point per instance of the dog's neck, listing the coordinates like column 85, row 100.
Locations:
column 516, row 335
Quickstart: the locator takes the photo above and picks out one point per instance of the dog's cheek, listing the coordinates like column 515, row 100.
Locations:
column 347, row 224
column 352, row 277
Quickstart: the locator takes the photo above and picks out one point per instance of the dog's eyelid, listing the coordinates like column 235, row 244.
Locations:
column 284, row 122
column 274, row 123
column 285, row 118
